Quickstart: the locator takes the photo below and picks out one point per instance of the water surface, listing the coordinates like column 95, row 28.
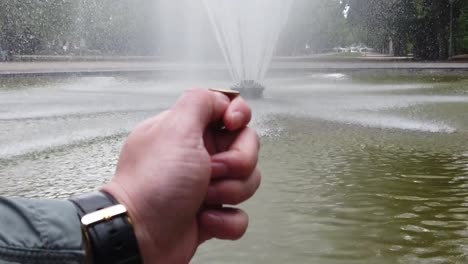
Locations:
column 356, row 169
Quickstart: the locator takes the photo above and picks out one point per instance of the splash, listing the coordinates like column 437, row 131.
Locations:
column 247, row 32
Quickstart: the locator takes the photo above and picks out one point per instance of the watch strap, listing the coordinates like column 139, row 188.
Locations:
column 112, row 240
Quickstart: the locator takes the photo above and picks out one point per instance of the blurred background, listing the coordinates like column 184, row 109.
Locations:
column 423, row 29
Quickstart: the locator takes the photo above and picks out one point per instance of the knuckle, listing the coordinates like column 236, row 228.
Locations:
column 240, row 102
column 198, row 93
column 235, row 193
column 193, row 90
column 200, row 97
column 239, row 195
column 246, row 164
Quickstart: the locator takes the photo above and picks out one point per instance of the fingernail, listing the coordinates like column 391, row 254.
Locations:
column 218, row 169
column 237, row 119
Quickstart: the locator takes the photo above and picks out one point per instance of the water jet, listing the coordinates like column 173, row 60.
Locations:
column 247, row 32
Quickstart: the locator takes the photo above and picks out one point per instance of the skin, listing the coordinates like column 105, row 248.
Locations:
column 178, row 171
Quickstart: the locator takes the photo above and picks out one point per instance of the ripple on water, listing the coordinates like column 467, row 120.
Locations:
column 435, row 204
column 333, row 193
column 414, row 228
column 405, row 198
column 407, row 216
column 462, row 233
column 459, row 216
column 435, row 223
column 421, row 209
column 458, row 210
column 415, row 259
column 61, row 172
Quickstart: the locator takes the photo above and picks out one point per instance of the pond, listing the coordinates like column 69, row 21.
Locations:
column 358, row 168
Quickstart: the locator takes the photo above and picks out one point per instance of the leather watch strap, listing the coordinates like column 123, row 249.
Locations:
column 112, row 241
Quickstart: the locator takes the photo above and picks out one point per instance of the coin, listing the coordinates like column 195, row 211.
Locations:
column 229, row 93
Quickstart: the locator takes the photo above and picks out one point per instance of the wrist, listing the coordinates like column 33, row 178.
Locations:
column 149, row 252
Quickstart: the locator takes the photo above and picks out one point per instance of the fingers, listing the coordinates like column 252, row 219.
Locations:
column 150, row 122
column 196, row 109
column 233, row 191
column 241, row 157
column 238, row 114
column 225, row 223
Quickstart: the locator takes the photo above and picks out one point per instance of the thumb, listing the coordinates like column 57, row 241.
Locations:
column 197, row 108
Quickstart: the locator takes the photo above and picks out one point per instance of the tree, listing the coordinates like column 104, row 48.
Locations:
column 377, row 22
column 420, row 25
column 433, row 20
column 315, row 26
column 112, row 27
column 106, row 26
column 461, row 28
column 27, row 25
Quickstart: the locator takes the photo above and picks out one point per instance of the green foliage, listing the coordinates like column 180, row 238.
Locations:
column 461, row 43
column 315, row 26
column 128, row 27
column 26, row 25
column 115, row 26
column 416, row 26
column 369, row 21
column 376, row 22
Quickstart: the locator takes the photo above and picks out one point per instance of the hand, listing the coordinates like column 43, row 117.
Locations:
column 177, row 170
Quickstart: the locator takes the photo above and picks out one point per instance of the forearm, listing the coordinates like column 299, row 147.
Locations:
column 40, row 231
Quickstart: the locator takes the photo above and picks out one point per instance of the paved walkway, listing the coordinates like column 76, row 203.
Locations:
column 16, row 68
column 90, row 67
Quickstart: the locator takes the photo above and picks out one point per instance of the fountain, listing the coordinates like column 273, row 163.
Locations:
column 247, row 32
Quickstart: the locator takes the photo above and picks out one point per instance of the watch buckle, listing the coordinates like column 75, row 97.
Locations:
column 103, row 215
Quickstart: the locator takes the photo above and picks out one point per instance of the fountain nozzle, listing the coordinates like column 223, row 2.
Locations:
column 249, row 89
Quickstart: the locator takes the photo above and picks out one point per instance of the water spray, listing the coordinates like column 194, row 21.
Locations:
column 247, row 32
column 249, row 89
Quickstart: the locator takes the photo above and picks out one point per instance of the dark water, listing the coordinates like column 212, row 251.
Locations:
column 355, row 170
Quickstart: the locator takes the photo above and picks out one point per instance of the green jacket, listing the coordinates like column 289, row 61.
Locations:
column 40, row 232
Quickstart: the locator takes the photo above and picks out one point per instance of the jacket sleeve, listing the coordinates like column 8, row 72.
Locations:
column 40, row 232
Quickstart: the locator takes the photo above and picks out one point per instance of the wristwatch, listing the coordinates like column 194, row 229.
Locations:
column 107, row 229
